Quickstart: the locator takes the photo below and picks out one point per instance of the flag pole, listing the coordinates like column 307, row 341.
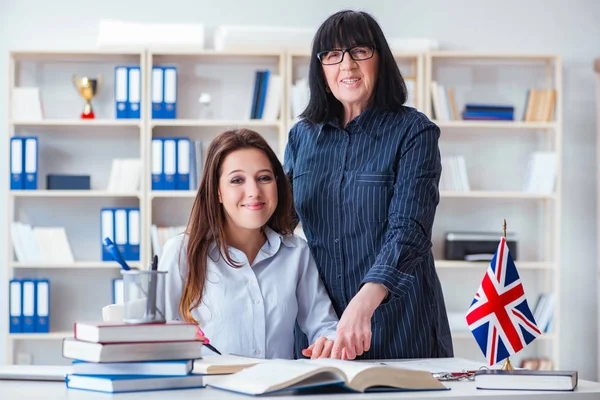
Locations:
column 507, row 365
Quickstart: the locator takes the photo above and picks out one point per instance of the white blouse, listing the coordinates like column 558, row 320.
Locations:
column 252, row 310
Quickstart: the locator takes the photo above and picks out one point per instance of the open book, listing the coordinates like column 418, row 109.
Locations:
column 280, row 375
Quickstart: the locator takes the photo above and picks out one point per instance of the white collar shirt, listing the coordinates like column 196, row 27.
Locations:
column 251, row 310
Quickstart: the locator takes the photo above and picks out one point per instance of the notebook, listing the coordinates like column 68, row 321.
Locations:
column 526, row 380
column 283, row 375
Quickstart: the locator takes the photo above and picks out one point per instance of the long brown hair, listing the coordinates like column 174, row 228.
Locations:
column 207, row 219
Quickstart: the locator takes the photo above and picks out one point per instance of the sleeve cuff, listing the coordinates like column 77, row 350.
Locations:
column 397, row 283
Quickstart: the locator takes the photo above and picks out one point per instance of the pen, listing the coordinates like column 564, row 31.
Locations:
column 151, row 303
column 114, row 251
column 207, row 342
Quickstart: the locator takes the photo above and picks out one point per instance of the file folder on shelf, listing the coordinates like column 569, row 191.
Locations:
column 133, row 235
column 16, row 164
column 29, row 306
column 170, row 93
column 135, row 92
column 158, row 176
column 15, row 306
column 121, row 230
column 31, row 163
column 121, row 92
column 157, row 93
column 42, row 323
column 107, row 229
column 183, row 164
column 170, row 163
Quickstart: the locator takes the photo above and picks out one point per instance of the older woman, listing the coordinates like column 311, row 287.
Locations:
column 365, row 172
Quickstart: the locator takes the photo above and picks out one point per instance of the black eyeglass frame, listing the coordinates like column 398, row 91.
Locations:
column 344, row 51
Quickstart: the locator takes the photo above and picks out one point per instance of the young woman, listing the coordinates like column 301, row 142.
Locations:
column 238, row 272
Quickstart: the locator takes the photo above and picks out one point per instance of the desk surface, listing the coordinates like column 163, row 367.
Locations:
column 24, row 390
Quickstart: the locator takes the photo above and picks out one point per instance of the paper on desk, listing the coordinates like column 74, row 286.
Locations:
column 35, row 372
column 436, row 365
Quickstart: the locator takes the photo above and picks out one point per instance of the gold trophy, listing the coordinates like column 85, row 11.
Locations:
column 88, row 87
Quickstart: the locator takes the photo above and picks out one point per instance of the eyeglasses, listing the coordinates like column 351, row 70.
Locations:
column 336, row 56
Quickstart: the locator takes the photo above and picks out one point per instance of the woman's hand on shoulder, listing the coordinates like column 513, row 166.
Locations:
column 321, row 348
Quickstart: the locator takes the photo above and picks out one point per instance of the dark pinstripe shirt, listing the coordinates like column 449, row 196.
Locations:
column 366, row 195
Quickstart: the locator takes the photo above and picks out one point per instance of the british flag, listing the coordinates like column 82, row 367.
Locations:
column 499, row 316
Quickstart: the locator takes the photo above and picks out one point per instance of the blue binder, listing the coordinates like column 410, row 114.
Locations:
column 132, row 250
column 29, row 305
column 121, row 92
column 42, row 323
column 31, row 162
column 107, row 229
column 15, row 306
column 135, row 91
column 158, row 162
column 121, row 230
column 157, row 93
column 183, row 164
column 17, row 164
column 170, row 163
column 170, row 92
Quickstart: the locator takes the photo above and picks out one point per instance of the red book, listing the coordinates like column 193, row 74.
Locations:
column 109, row 332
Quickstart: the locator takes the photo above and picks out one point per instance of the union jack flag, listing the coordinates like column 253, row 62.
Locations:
column 499, row 316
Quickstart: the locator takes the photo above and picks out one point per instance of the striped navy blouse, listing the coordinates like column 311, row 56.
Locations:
column 366, row 196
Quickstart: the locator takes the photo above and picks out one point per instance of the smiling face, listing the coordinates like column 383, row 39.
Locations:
column 353, row 82
column 247, row 189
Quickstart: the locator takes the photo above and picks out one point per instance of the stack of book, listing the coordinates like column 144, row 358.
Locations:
column 488, row 112
column 116, row 358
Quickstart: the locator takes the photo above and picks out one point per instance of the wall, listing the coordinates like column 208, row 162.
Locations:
column 554, row 26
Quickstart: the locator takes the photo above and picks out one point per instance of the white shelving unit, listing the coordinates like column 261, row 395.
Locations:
column 229, row 78
column 495, row 153
column 67, row 144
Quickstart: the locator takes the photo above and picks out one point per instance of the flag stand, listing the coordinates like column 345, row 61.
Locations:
column 507, row 365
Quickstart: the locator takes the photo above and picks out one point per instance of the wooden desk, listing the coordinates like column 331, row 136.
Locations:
column 24, row 390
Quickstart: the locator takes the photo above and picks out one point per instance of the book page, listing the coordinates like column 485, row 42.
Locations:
column 350, row 368
column 276, row 375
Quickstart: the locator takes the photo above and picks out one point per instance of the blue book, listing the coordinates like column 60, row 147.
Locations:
column 15, row 306
column 263, row 94
column 17, row 164
column 133, row 383
column 255, row 94
column 159, row 368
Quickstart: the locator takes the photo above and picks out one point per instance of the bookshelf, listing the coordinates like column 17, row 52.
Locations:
column 229, row 77
column 496, row 156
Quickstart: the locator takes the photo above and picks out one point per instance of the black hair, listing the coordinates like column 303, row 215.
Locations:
column 345, row 29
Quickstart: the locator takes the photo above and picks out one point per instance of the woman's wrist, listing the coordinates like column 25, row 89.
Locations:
column 372, row 294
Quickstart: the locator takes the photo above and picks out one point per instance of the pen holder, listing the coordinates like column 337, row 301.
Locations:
column 144, row 296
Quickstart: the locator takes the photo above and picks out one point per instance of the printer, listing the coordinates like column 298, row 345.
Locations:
column 476, row 246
